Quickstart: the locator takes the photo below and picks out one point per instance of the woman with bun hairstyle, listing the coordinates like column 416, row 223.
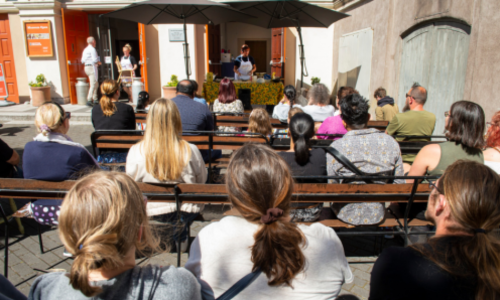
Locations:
column 53, row 156
column 296, row 261
column 280, row 111
column 103, row 224
column 111, row 114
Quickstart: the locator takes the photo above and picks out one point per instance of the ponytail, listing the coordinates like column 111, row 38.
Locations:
column 290, row 94
column 301, row 128
column 277, row 250
column 108, row 89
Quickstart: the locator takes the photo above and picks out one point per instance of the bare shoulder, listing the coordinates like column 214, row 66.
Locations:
column 491, row 154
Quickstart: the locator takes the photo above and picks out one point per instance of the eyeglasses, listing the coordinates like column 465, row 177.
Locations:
column 446, row 114
column 67, row 115
column 432, row 185
column 408, row 95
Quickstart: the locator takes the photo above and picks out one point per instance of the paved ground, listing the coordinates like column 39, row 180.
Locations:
column 25, row 259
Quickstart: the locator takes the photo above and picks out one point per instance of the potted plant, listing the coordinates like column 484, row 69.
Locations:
column 169, row 90
column 315, row 80
column 40, row 91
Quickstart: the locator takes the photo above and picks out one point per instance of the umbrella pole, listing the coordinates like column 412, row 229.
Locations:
column 302, row 55
column 186, row 51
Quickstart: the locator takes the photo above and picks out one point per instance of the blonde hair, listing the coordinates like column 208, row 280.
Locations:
column 128, row 47
column 259, row 122
column 50, row 114
column 166, row 152
column 108, row 89
column 100, row 221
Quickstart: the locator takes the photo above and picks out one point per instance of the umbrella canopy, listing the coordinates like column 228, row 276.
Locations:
column 288, row 13
column 179, row 11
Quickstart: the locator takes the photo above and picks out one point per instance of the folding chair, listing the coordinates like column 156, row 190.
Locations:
column 127, row 74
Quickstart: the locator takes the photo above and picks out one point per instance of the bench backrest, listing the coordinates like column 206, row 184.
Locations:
column 242, row 121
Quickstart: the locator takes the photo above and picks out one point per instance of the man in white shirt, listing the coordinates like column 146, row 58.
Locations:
column 91, row 62
column 318, row 107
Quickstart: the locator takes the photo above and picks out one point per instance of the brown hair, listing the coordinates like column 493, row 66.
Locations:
column 380, row 92
column 293, row 111
column 466, row 124
column 343, row 92
column 472, row 191
column 419, row 93
column 108, row 89
column 277, row 248
column 100, row 221
column 259, row 122
column 493, row 134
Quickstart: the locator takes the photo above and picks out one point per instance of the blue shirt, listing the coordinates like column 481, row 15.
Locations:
column 54, row 162
column 201, row 100
column 194, row 115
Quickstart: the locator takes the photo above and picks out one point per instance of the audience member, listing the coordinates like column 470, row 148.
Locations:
column 334, row 125
column 492, row 152
column 8, row 291
column 304, row 161
column 280, row 111
column 194, row 115
column 464, row 126
column 259, row 122
column 103, row 224
column 414, row 120
column 9, row 162
column 228, row 103
column 163, row 156
column 53, row 156
column 319, row 107
column 111, row 114
column 462, row 260
column 386, row 108
column 142, row 101
column 283, row 133
column 197, row 97
column 370, row 150
column 297, row 261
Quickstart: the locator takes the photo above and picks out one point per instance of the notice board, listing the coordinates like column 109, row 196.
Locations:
column 4, row 93
column 38, row 38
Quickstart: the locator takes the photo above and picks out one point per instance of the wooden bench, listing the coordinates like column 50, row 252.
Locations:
column 242, row 121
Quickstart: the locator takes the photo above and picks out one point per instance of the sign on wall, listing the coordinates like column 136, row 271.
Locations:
column 38, row 38
column 3, row 86
column 176, row 35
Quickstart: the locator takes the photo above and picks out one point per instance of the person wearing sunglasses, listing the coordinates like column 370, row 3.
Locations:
column 53, row 156
column 462, row 259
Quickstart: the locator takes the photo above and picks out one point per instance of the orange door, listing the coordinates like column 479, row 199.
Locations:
column 143, row 57
column 277, row 52
column 7, row 59
column 76, row 31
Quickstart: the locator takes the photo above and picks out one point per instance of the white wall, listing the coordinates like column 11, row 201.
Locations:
column 172, row 55
column 318, row 47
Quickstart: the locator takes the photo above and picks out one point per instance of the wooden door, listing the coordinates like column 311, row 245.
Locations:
column 143, row 57
column 214, row 49
column 277, row 52
column 7, row 59
column 258, row 50
column 436, row 57
column 76, row 31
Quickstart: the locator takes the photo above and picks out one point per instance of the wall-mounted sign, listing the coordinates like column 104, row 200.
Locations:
column 38, row 38
column 107, row 60
column 4, row 93
column 176, row 35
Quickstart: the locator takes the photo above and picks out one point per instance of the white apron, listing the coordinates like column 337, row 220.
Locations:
column 126, row 65
column 245, row 69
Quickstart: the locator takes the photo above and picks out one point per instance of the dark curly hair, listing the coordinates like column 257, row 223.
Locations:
column 355, row 111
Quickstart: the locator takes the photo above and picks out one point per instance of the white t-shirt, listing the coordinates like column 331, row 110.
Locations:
column 493, row 165
column 318, row 113
column 221, row 255
column 280, row 112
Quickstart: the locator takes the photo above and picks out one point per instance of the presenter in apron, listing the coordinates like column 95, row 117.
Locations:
column 244, row 65
column 128, row 62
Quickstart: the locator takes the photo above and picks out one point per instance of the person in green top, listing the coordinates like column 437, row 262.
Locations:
column 413, row 121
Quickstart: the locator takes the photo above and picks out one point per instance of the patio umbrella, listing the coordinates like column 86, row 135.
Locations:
column 179, row 11
column 288, row 13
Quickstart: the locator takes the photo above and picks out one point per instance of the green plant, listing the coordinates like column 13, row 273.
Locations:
column 315, row 80
column 40, row 81
column 173, row 81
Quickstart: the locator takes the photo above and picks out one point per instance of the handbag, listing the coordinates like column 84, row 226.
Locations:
column 240, row 285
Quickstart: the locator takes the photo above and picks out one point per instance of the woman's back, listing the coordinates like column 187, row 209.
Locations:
column 148, row 282
column 123, row 118
column 226, row 247
column 453, row 151
column 316, row 166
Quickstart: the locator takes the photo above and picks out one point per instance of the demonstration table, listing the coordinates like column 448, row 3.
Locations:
column 269, row 93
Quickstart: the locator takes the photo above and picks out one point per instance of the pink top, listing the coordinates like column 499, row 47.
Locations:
column 332, row 125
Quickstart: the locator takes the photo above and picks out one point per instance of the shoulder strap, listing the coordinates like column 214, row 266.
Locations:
column 346, row 162
column 240, row 285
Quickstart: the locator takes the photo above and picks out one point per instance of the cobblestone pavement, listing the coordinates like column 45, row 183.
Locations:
column 26, row 262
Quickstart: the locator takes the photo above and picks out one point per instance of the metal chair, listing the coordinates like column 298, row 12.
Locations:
column 5, row 220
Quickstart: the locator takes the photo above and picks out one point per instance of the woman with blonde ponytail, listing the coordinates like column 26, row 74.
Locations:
column 296, row 261
column 111, row 114
column 103, row 224
column 462, row 261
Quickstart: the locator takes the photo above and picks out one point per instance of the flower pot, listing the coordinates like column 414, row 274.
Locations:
column 169, row 92
column 40, row 95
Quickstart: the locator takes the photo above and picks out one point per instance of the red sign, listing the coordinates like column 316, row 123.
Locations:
column 38, row 38
column 3, row 87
